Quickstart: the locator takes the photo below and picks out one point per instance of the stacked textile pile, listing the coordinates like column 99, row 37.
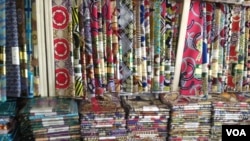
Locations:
column 146, row 119
column 190, row 120
column 8, row 128
column 103, row 118
column 49, row 118
column 229, row 109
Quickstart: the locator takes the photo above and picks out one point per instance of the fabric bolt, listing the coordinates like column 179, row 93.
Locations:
column 28, row 38
column 233, row 47
column 163, row 44
column 247, row 60
column 191, row 70
column 20, row 5
column 115, row 47
column 101, row 46
column 125, row 22
column 169, row 45
column 240, row 62
column 34, row 60
column 157, row 49
column 205, row 55
column 12, row 51
column 77, row 43
column 147, row 43
column 144, row 78
column 88, row 49
column 64, row 73
column 136, row 47
column 96, row 46
column 216, row 49
column 176, row 7
column 82, row 49
column 108, row 9
column 3, row 96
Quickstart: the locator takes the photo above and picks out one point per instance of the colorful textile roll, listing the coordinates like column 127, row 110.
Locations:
column 191, row 69
column 3, row 96
column 63, row 47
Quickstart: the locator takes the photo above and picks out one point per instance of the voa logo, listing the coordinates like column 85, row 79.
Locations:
column 236, row 132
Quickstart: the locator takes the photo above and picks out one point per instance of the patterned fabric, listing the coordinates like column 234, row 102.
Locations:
column 28, row 37
column 192, row 57
column 2, row 51
column 22, row 45
column 126, row 38
column 234, row 47
column 88, row 50
column 62, row 28
column 12, row 51
column 77, row 52
column 157, row 49
column 34, row 60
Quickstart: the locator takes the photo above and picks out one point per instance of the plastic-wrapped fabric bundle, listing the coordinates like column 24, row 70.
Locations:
column 49, row 118
column 229, row 109
column 146, row 119
column 190, row 120
column 103, row 118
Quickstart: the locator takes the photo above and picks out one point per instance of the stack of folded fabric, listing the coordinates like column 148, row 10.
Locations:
column 146, row 119
column 49, row 118
column 103, row 118
column 8, row 128
column 190, row 120
column 229, row 109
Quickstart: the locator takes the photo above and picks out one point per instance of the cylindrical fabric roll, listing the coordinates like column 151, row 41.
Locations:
column 205, row 58
column 13, row 79
column 3, row 96
column 157, row 48
column 101, row 45
column 215, row 54
column 77, row 49
column 23, row 48
column 28, row 36
column 82, row 48
column 234, row 46
column 247, row 82
column 163, row 59
column 115, row 47
column 169, row 45
column 88, row 50
column 96, row 46
column 108, row 9
column 148, row 44
column 136, row 46
column 126, row 39
column 35, row 58
column 241, row 46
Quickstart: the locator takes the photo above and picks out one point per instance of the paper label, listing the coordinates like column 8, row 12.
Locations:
column 15, row 55
column 150, row 108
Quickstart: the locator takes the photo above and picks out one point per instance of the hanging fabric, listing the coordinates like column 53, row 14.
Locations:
column 63, row 48
column 3, row 96
column 12, row 51
column 28, row 38
column 126, row 38
column 191, row 69
column 77, row 44
column 34, row 62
